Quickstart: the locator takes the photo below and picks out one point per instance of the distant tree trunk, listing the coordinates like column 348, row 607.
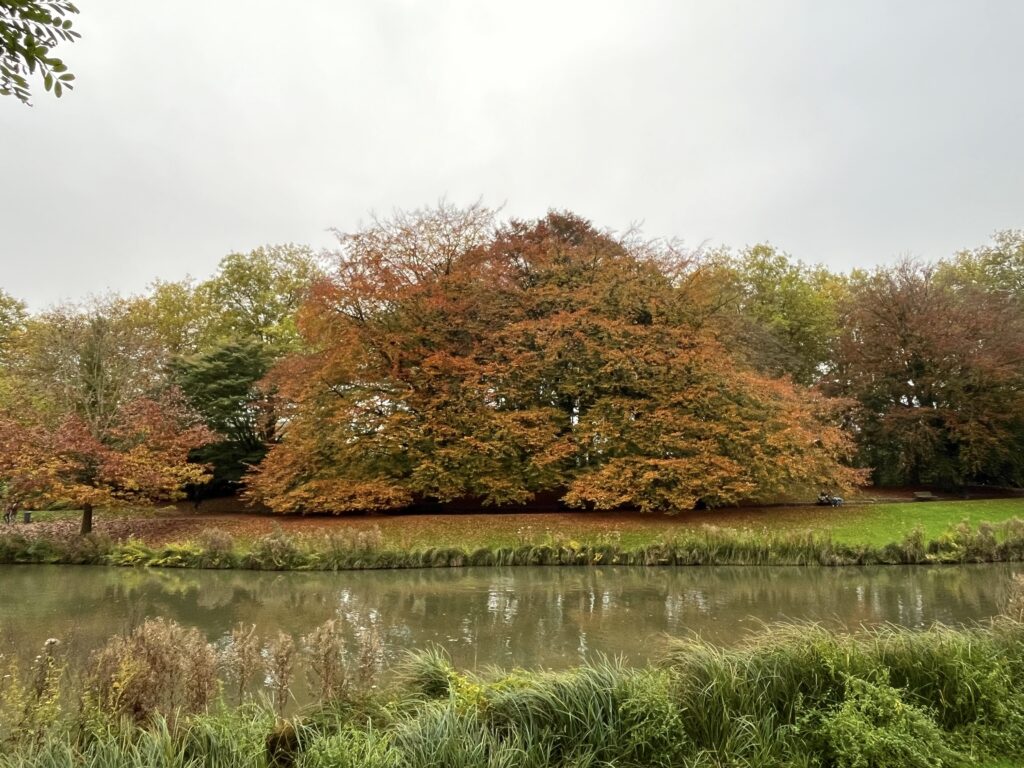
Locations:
column 86, row 519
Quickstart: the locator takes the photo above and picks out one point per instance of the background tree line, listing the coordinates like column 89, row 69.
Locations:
column 444, row 354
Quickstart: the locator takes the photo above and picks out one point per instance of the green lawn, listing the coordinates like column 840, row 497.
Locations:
column 884, row 523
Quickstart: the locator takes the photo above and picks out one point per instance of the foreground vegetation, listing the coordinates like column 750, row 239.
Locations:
column 795, row 695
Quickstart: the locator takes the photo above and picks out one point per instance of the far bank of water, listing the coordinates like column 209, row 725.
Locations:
column 525, row 616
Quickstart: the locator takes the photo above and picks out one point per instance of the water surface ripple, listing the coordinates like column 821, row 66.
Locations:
column 526, row 616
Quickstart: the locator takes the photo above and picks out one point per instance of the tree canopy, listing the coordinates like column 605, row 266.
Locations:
column 938, row 373
column 451, row 358
column 29, row 30
column 91, row 421
column 136, row 399
column 222, row 383
column 12, row 320
column 777, row 313
column 444, row 355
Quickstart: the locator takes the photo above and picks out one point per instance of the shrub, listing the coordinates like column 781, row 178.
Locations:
column 275, row 551
column 217, row 548
column 87, row 550
column 325, row 651
column 875, row 727
column 29, row 707
column 160, row 668
column 130, row 553
column 241, row 657
column 280, row 660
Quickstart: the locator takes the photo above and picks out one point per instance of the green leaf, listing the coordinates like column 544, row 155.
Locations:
column 48, row 81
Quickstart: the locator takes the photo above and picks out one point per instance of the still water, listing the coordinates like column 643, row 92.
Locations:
column 530, row 616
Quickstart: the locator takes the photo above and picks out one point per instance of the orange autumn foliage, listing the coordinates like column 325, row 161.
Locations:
column 142, row 458
column 450, row 358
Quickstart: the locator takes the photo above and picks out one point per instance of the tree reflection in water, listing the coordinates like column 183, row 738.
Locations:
column 535, row 616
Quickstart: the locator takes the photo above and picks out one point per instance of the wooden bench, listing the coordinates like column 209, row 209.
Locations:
column 924, row 496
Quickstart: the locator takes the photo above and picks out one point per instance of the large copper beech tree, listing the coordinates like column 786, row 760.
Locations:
column 452, row 358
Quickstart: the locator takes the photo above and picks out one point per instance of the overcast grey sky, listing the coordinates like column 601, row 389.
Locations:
column 843, row 132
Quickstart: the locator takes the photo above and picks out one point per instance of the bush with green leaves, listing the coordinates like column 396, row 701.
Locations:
column 875, row 727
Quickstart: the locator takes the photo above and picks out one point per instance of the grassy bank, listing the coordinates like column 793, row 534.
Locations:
column 368, row 549
column 795, row 696
column 879, row 524
column 873, row 524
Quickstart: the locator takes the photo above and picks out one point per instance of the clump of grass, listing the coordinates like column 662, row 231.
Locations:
column 353, row 748
column 440, row 736
column 577, row 713
column 428, row 672
column 351, row 548
column 1013, row 602
column 229, row 737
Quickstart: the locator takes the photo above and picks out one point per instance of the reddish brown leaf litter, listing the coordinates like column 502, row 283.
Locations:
column 447, row 529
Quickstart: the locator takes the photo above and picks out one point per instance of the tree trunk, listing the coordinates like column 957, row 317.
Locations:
column 86, row 519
